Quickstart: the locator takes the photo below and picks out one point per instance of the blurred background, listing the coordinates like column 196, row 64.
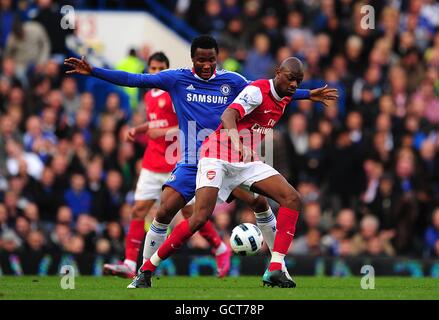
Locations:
column 367, row 166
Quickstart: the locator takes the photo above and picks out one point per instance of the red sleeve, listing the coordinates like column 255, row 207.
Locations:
column 239, row 108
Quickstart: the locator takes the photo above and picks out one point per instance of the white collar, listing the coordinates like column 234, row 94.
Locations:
column 156, row 92
column 199, row 78
column 273, row 91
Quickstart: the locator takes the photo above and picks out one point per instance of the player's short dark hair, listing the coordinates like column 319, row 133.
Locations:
column 203, row 42
column 160, row 57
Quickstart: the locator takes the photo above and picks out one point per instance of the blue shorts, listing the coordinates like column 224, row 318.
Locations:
column 183, row 179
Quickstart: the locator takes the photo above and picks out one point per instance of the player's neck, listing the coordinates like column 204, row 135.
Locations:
column 198, row 77
column 274, row 91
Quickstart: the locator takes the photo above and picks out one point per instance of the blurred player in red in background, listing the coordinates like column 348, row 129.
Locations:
column 156, row 169
column 226, row 163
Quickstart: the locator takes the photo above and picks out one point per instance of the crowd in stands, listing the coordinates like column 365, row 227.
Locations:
column 367, row 166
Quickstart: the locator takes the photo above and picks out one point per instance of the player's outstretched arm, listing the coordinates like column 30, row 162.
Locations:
column 120, row 78
column 133, row 132
column 323, row 95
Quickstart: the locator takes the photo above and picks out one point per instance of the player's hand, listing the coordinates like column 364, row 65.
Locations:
column 324, row 95
column 131, row 135
column 78, row 66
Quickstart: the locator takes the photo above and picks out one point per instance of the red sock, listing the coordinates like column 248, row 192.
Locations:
column 209, row 233
column 134, row 238
column 176, row 239
column 285, row 228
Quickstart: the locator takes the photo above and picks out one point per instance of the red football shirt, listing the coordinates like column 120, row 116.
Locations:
column 260, row 108
column 160, row 113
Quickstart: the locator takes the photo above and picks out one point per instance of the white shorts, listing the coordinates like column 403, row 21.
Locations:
column 149, row 185
column 227, row 176
column 191, row 202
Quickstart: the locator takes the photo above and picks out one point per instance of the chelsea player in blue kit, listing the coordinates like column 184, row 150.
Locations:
column 200, row 96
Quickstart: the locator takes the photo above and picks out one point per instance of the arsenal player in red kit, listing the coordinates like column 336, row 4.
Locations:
column 227, row 162
column 156, row 170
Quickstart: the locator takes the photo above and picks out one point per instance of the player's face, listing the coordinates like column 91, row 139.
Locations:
column 156, row 66
column 204, row 61
column 287, row 81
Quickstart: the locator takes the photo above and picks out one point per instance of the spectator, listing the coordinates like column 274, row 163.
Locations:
column 40, row 87
column 22, row 228
column 374, row 171
column 95, row 182
column 384, row 202
column 398, row 89
column 230, row 9
column 213, row 21
column 33, row 216
column 86, row 228
column 35, row 251
column 312, row 219
column 296, row 35
column 113, row 197
column 17, row 157
column 37, row 141
column 429, row 162
column 427, row 95
column 7, row 19
column 59, row 238
column 103, row 248
column 29, row 45
column 270, row 27
column 259, row 62
column 354, row 125
column 9, row 73
column 308, row 244
column 366, row 240
column 77, row 197
column 346, row 220
column 108, row 150
column 431, row 238
column 64, row 215
column 414, row 68
column 354, row 51
column 8, row 131
column 235, row 36
column 316, row 158
column 81, row 153
column 332, row 242
column 345, row 174
column 296, row 140
column 71, row 98
column 3, row 219
column 222, row 221
column 114, row 109
column 49, row 15
column 75, row 245
column 114, row 234
column 12, row 244
column 59, row 165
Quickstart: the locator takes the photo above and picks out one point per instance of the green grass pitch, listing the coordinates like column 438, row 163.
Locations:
column 207, row 288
